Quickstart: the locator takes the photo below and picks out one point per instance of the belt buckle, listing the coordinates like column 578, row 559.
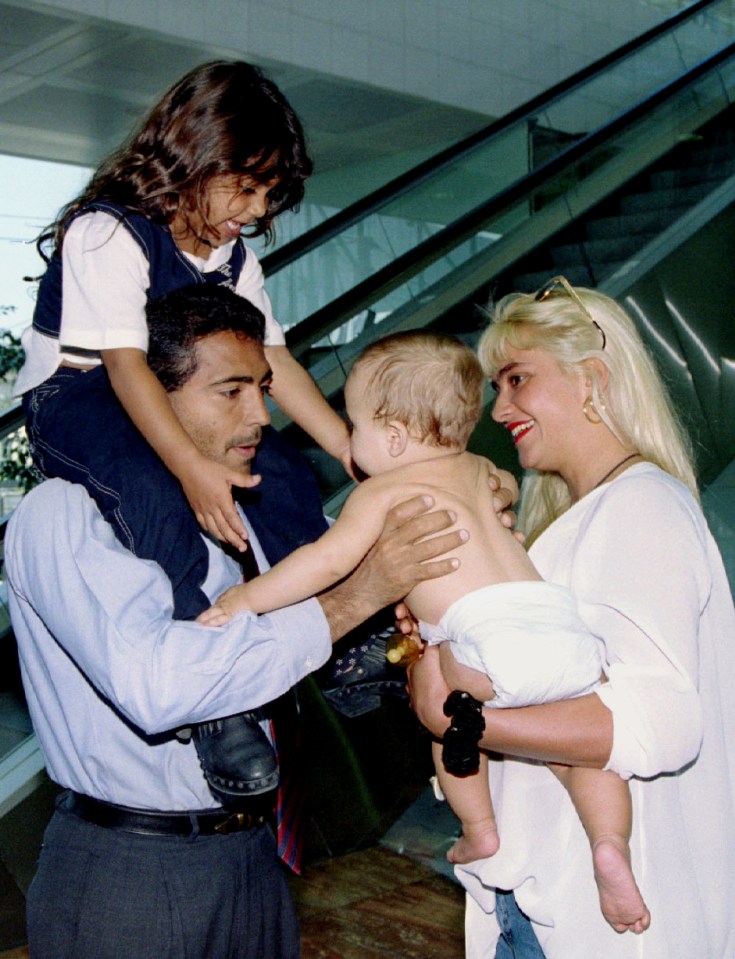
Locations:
column 238, row 822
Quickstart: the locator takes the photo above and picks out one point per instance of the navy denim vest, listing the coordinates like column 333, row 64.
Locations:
column 169, row 269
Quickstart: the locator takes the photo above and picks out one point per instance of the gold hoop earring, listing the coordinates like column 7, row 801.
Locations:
column 590, row 411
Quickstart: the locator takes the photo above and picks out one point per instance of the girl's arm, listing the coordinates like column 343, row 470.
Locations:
column 207, row 485
column 311, row 568
column 293, row 389
column 300, row 398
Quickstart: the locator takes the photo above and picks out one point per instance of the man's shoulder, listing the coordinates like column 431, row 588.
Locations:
column 51, row 491
column 53, row 501
column 48, row 527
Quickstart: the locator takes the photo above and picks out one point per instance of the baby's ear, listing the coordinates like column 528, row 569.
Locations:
column 397, row 438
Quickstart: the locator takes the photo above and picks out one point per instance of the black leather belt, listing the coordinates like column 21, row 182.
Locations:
column 149, row 823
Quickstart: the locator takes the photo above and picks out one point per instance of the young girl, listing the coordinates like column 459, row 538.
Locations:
column 222, row 152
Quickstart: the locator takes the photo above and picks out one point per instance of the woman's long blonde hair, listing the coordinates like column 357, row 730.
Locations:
column 634, row 403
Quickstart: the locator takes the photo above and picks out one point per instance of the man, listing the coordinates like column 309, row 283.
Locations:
column 136, row 861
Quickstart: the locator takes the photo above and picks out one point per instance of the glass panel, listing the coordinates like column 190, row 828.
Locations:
column 465, row 266
column 360, row 250
column 20, row 760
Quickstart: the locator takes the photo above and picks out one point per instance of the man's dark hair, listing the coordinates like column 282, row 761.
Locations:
column 178, row 320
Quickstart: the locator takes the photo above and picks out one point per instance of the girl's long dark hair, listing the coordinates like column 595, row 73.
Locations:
column 221, row 118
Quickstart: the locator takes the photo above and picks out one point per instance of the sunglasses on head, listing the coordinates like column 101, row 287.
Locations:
column 560, row 284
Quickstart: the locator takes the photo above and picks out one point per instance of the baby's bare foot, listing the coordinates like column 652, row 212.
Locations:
column 620, row 900
column 475, row 843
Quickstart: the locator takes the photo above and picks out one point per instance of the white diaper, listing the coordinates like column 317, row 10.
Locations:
column 528, row 638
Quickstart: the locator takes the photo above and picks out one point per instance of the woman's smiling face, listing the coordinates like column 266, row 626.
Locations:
column 541, row 406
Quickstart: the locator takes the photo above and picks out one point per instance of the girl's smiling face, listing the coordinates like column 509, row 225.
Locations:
column 232, row 202
column 541, row 406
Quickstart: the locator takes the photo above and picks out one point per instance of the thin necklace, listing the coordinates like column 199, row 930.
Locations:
column 617, row 466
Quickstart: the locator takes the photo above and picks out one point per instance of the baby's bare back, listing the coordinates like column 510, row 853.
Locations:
column 492, row 555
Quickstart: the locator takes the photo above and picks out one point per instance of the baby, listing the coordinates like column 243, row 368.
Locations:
column 413, row 400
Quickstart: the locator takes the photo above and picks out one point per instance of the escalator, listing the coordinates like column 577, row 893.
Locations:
column 462, row 222
column 637, row 148
column 427, row 248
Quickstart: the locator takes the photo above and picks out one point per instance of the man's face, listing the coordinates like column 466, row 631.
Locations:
column 222, row 406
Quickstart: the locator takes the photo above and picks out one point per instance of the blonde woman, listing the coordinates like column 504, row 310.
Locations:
column 611, row 511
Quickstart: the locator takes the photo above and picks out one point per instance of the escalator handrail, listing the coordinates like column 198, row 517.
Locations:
column 379, row 198
column 352, row 301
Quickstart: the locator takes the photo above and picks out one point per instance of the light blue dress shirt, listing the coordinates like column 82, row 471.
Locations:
column 108, row 673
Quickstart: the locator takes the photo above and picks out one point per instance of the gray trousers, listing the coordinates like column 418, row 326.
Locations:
column 105, row 894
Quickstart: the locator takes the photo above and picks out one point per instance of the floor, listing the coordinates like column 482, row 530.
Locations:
column 375, row 904
column 396, row 899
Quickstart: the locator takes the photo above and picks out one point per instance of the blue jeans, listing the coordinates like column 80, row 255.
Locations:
column 517, row 938
column 78, row 431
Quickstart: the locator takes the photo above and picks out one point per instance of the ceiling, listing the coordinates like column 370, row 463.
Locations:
column 72, row 87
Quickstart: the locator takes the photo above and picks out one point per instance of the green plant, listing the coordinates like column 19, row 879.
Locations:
column 16, row 467
column 11, row 352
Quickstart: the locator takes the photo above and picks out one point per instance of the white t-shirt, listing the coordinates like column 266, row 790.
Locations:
column 651, row 587
column 104, row 282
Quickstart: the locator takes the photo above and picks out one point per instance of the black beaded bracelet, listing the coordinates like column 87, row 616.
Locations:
column 460, row 751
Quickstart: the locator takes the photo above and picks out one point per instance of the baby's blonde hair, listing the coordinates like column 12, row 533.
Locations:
column 429, row 382
column 634, row 403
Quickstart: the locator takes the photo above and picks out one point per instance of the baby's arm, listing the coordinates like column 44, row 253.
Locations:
column 206, row 484
column 311, row 568
column 300, row 398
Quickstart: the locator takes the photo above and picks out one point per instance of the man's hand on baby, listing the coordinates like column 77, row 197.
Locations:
column 208, row 488
column 407, row 551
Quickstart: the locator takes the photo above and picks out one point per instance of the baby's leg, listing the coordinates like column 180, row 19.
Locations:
column 602, row 800
column 469, row 797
